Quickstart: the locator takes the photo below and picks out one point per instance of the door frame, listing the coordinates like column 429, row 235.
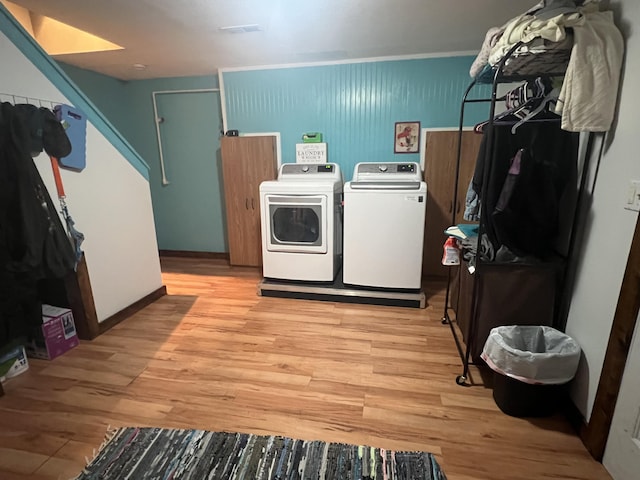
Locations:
column 423, row 140
column 278, row 143
column 596, row 433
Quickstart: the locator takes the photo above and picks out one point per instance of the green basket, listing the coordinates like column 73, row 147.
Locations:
column 312, row 137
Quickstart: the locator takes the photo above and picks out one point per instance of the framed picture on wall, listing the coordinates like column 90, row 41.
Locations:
column 407, row 137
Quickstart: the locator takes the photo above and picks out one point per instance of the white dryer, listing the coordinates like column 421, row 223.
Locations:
column 384, row 212
column 301, row 220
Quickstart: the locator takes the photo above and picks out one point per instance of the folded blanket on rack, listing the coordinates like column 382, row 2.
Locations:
column 587, row 100
column 540, row 57
column 481, row 64
column 528, row 27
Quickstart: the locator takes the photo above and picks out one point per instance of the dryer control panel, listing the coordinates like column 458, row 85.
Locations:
column 307, row 168
column 311, row 171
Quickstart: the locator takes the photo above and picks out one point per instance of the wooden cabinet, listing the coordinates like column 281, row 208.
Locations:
column 440, row 173
column 246, row 162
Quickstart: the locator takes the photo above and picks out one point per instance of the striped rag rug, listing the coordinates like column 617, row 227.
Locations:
column 156, row 453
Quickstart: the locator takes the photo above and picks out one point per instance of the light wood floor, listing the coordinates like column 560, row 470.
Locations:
column 214, row 355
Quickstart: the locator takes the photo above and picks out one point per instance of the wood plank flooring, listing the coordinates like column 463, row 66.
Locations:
column 214, row 355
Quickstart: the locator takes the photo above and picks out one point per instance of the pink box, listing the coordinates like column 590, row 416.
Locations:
column 56, row 336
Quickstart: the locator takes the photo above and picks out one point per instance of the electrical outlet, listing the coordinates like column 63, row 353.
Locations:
column 633, row 196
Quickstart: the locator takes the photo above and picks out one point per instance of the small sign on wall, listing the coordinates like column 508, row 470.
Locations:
column 311, row 153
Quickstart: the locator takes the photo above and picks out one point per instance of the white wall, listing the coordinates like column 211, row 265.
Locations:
column 611, row 227
column 110, row 201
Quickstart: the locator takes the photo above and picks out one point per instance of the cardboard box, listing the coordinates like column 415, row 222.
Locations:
column 13, row 363
column 57, row 334
column 311, row 153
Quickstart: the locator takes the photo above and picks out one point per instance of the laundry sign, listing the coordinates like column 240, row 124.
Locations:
column 311, row 153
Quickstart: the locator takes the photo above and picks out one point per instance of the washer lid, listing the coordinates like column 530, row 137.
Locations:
column 385, row 185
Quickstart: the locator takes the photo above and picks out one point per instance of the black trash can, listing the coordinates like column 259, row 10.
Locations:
column 521, row 399
column 532, row 366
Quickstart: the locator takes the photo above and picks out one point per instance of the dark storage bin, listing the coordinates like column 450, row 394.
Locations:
column 506, row 294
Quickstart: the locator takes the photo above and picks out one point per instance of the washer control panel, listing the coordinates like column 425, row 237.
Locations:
column 388, row 171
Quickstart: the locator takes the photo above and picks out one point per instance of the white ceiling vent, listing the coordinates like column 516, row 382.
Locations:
column 254, row 27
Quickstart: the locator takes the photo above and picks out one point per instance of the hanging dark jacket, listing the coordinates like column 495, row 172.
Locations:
column 524, row 208
column 31, row 232
column 33, row 243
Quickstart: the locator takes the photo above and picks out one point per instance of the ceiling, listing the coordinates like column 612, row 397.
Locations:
column 183, row 38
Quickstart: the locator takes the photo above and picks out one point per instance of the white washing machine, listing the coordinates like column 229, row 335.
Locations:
column 301, row 220
column 384, row 211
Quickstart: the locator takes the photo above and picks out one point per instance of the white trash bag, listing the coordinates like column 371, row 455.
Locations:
column 532, row 354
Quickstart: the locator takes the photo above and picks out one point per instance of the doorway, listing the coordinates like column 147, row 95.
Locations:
column 189, row 204
column 622, row 454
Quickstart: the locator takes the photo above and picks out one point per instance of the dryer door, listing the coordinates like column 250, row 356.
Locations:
column 297, row 223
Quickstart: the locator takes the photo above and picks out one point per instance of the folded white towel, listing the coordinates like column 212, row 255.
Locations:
column 587, row 100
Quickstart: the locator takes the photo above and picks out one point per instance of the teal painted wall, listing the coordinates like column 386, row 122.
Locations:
column 202, row 123
column 190, row 208
column 128, row 104
column 109, row 94
column 355, row 106
column 181, row 206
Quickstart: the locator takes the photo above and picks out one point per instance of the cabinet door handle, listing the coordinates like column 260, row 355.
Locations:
column 458, row 208
column 253, row 204
column 450, row 206
column 246, row 203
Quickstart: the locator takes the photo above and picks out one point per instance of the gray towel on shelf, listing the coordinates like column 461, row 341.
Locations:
column 553, row 8
column 490, row 39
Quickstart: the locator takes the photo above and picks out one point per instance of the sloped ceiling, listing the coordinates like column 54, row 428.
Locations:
column 184, row 38
column 55, row 37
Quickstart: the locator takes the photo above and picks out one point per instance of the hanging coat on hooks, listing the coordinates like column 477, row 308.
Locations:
column 31, row 231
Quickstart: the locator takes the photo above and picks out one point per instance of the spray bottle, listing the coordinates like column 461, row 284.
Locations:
column 451, row 254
